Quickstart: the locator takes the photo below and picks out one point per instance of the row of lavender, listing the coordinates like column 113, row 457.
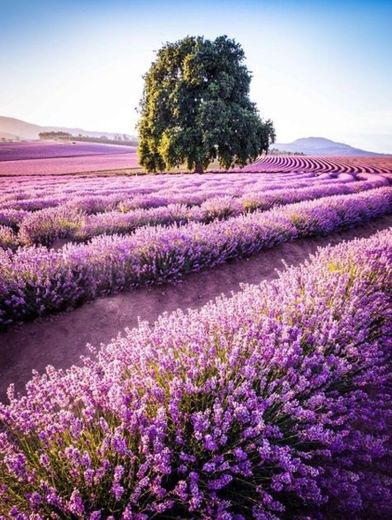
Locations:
column 92, row 196
column 320, row 164
column 25, row 184
column 36, row 280
column 142, row 196
column 34, row 198
column 43, row 227
column 96, row 200
column 272, row 404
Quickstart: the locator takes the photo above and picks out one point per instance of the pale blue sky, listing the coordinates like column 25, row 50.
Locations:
column 319, row 68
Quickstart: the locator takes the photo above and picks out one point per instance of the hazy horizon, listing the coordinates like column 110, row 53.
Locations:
column 318, row 70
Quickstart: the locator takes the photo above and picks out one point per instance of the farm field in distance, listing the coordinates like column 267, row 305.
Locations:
column 39, row 158
column 18, row 151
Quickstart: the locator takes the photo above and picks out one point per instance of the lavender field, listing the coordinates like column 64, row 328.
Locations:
column 50, row 150
column 38, row 158
column 255, row 405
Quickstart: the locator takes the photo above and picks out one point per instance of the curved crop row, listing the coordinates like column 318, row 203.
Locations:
column 36, row 281
column 315, row 164
column 45, row 226
column 269, row 405
column 108, row 197
column 16, row 208
column 146, row 184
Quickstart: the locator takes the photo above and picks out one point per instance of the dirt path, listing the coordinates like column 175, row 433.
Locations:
column 61, row 339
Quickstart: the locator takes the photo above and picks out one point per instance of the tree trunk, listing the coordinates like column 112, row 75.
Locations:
column 199, row 167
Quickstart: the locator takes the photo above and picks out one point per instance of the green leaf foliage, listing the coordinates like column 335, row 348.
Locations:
column 196, row 108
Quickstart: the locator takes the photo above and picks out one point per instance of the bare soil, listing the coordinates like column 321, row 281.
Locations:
column 60, row 340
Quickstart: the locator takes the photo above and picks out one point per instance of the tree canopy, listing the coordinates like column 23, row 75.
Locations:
column 196, row 108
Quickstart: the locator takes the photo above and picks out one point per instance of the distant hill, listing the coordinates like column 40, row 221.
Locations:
column 321, row 146
column 12, row 128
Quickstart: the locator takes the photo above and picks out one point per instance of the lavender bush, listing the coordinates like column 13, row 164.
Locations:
column 8, row 238
column 45, row 226
column 12, row 217
column 272, row 404
column 36, row 281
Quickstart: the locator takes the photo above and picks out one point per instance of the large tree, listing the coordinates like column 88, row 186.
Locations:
column 196, row 108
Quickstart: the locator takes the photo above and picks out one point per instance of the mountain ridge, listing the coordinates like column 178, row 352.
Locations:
column 322, row 146
column 12, row 128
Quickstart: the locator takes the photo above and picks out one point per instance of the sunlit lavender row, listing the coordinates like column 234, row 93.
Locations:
column 70, row 183
column 43, row 227
column 32, row 197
